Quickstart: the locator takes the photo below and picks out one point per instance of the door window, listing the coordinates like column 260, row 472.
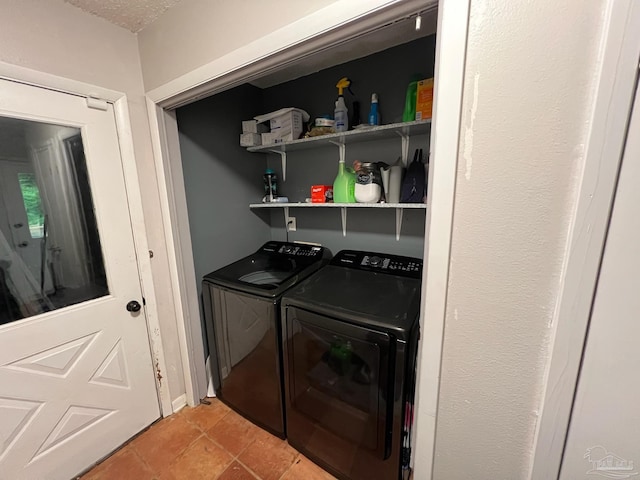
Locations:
column 32, row 204
column 50, row 253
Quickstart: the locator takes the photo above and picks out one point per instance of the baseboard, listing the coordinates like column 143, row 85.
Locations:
column 179, row 403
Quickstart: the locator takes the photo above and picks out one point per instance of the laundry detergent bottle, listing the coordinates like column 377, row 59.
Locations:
column 344, row 185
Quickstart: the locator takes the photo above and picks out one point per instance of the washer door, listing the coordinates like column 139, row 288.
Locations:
column 337, row 381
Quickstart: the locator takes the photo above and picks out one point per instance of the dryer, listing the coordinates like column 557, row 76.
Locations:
column 350, row 334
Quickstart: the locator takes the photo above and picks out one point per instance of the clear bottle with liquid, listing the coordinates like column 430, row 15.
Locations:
column 341, row 115
column 270, row 185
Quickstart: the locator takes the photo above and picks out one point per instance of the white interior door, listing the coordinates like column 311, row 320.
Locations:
column 76, row 376
column 604, row 433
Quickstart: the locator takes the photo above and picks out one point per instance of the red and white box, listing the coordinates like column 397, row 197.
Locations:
column 321, row 193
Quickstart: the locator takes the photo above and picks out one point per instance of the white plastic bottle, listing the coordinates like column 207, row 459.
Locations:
column 341, row 115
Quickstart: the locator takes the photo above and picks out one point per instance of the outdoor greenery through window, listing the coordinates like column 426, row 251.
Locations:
column 32, row 204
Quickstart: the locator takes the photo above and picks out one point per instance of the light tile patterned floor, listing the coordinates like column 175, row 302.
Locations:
column 206, row 442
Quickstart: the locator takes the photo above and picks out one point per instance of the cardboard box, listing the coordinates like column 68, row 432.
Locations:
column 252, row 126
column 279, row 136
column 424, row 99
column 288, row 126
column 321, row 193
column 250, row 140
column 268, row 138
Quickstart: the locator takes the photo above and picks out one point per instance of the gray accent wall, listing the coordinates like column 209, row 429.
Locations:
column 388, row 74
column 221, row 179
column 367, row 229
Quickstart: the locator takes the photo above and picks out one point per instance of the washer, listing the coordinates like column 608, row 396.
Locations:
column 242, row 319
column 350, row 334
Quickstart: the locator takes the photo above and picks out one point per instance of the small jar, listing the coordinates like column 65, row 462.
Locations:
column 368, row 183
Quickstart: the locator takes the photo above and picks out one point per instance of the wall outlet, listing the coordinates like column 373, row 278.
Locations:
column 291, row 224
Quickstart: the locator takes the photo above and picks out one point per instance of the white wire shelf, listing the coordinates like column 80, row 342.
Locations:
column 344, row 207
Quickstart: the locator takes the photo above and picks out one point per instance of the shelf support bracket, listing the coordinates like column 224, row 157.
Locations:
column 342, row 149
column 405, row 148
column 283, row 157
column 343, row 214
column 398, row 222
column 286, row 219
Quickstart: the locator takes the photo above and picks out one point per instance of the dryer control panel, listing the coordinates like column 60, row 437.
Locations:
column 379, row 262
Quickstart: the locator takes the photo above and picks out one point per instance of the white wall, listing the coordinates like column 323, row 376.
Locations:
column 528, row 90
column 529, row 85
column 59, row 39
column 605, row 417
column 196, row 32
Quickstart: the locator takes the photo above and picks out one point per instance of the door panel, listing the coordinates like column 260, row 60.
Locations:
column 338, row 377
column 602, row 441
column 76, row 376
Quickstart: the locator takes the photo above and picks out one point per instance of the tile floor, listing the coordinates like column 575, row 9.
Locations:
column 206, row 442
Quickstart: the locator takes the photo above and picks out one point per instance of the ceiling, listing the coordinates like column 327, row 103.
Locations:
column 395, row 33
column 133, row 15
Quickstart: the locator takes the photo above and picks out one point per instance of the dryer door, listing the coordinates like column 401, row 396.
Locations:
column 337, row 380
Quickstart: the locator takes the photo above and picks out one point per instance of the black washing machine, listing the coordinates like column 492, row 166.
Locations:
column 350, row 334
column 242, row 319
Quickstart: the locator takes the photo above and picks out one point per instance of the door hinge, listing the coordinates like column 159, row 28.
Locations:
column 97, row 103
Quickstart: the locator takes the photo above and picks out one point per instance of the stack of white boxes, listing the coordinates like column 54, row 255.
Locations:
column 284, row 128
column 251, row 131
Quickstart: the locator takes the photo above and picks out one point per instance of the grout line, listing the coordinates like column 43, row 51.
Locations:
column 195, row 424
column 144, row 462
column 181, row 454
column 248, row 469
column 217, row 444
column 297, row 457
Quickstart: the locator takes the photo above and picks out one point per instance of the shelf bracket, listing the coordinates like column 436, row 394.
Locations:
column 286, row 219
column 398, row 222
column 343, row 214
column 283, row 157
column 405, row 148
column 342, row 149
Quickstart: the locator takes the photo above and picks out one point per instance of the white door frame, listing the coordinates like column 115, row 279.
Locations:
column 125, row 140
column 617, row 70
column 323, row 28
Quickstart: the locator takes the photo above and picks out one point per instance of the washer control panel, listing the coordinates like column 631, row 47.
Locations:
column 381, row 262
column 293, row 249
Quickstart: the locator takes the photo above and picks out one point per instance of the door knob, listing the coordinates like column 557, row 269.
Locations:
column 133, row 306
column 23, row 244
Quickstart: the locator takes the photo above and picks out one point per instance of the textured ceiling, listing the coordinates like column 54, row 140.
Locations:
column 133, row 15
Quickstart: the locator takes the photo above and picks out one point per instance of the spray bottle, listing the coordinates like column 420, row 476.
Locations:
column 374, row 113
column 340, row 114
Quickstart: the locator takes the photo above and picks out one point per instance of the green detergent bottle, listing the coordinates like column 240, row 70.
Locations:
column 344, row 185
